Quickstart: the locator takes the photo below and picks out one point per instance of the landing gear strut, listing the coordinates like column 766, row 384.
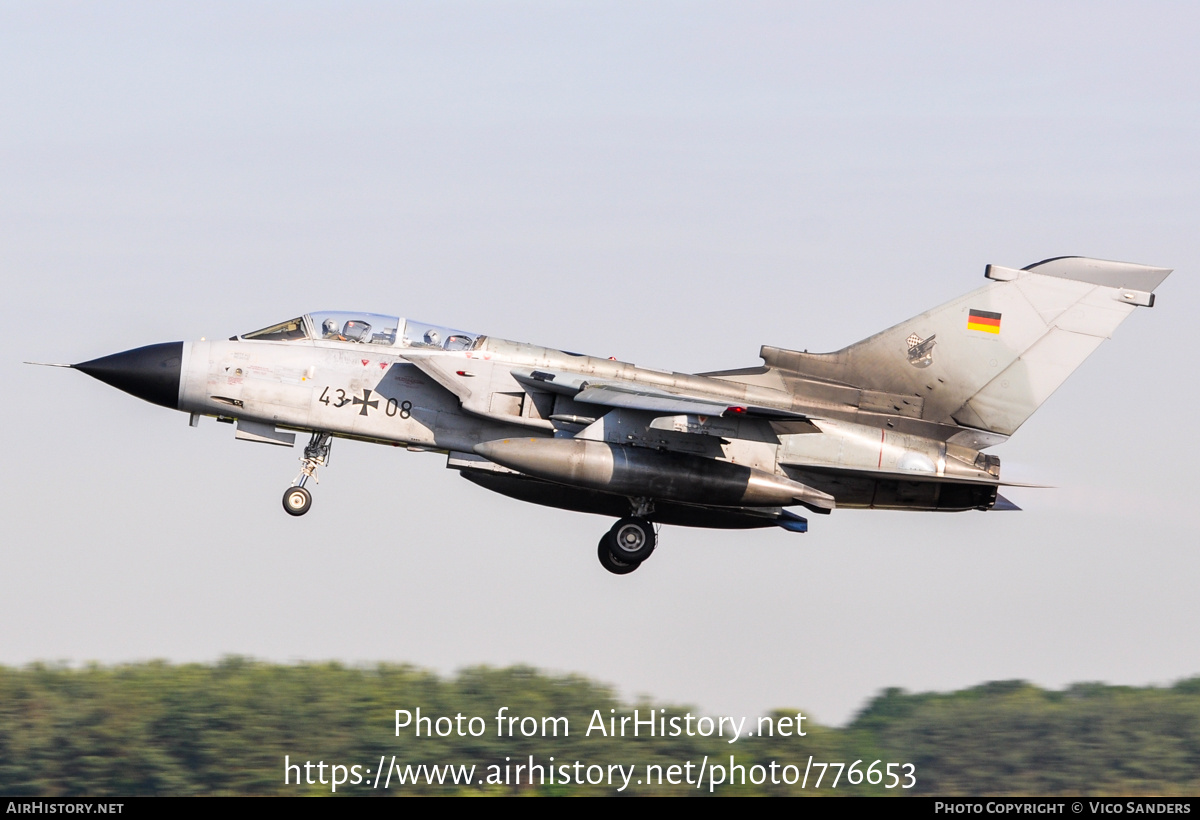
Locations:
column 298, row 500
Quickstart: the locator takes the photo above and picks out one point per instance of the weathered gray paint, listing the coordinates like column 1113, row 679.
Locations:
column 897, row 421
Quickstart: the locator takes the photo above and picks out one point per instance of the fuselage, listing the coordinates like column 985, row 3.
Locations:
column 419, row 394
column 896, row 421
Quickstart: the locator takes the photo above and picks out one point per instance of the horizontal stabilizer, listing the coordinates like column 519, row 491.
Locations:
column 792, row 522
column 894, row 475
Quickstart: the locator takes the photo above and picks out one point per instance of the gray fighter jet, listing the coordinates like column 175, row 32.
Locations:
column 898, row 421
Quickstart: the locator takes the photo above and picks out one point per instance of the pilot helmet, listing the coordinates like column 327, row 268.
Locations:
column 330, row 327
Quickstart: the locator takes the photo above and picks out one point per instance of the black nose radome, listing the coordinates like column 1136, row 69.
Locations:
column 150, row 373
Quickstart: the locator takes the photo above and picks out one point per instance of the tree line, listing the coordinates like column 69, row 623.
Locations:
column 227, row 728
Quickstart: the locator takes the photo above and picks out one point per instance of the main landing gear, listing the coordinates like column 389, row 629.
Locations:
column 298, row 500
column 630, row 542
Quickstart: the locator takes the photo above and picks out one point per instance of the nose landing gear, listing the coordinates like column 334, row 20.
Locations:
column 298, row 500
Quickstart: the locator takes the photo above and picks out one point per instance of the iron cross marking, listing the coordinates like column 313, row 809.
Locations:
column 366, row 402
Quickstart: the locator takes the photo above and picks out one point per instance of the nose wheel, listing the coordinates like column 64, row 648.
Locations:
column 298, row 500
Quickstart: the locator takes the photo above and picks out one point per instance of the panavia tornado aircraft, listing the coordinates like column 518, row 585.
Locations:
column 898, row 421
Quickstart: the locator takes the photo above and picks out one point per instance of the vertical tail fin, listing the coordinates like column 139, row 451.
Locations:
column 987, row 360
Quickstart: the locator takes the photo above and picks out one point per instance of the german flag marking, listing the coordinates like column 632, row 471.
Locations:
column 983, row 320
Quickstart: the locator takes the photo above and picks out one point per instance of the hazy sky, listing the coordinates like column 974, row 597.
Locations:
column 672, row 184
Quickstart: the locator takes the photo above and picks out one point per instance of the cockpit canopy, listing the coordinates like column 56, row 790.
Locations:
column 361, row 328
column 365, row 328
column 419, row 334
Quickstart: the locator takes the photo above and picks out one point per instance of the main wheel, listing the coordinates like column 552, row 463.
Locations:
column 633, row 539
column 611, row 562
column 297, row 500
